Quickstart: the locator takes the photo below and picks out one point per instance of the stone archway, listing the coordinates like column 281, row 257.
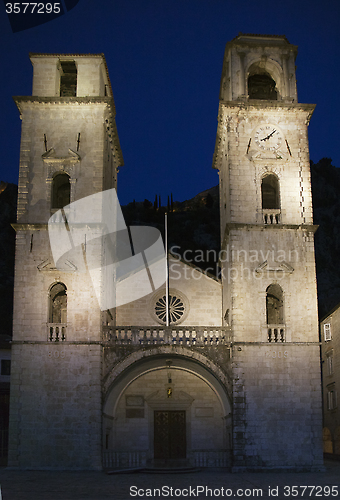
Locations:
column 143, row 399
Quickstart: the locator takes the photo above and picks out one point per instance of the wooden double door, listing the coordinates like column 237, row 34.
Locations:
column 169, row 434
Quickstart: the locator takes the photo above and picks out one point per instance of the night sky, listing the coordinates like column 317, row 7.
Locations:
column 165, row 61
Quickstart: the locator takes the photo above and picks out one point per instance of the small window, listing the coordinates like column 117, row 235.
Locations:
column 331, row 398
column 5, row 367
column 327, row 332
column 262, row 86
column 68, row 79
column 61, row 191
column 329, row 360
column 58, row 303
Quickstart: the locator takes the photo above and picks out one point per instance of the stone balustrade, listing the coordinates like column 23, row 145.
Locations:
column 271, row 216
column 276, row 333
column 56, row 332
column 196, row 458
column 210, row 458
column 185, row 335
column 115, row 459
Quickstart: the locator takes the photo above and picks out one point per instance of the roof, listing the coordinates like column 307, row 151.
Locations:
column 330, row 312
column 258, row 35
column 193, row 266
column 268, row 40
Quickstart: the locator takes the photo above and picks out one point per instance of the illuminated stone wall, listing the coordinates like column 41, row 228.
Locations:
column 276, row 368
column 204, row 415
column 200, row 293
column 92, row 79
column 55, row 410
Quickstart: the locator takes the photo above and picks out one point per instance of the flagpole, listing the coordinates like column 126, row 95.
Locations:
column 166, row 271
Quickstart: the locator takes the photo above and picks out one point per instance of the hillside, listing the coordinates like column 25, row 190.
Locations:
column 8, row 204
column 326, row 206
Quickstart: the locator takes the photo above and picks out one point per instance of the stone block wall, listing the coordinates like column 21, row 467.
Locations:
column 259, row 257
column 31, row 295
column 243, row 165
column 55, row 406
column 277, row 406
column 61, row 125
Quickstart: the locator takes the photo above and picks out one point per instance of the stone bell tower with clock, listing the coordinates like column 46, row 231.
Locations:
column 267, row 257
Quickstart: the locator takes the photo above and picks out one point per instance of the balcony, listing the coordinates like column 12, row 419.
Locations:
column 276, row 333
column 56, row 332
column 160, row 335
column 271, row 216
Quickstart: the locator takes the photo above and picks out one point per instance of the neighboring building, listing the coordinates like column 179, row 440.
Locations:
column 235, row 379
column 330, row 348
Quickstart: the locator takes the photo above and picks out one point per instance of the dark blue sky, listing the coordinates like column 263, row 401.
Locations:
column 165, row 61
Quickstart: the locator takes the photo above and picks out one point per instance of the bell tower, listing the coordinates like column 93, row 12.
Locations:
column 69, row 150
column 267, row 257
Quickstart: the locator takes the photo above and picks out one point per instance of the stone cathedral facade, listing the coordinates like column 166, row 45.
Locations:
column 234, row 381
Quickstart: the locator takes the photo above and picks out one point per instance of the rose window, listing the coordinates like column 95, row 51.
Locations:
column 176, row 309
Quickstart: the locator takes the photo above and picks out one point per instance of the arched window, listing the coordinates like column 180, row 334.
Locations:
column 274, row 305
column 61, row 190
column 58, row 303
column 270, row 192
column 262, row 86
column 274, row 310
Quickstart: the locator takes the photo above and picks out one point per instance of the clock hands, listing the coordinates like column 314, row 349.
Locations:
column 268, row 136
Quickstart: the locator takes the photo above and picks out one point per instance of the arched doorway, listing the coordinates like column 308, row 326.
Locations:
column 164, row 410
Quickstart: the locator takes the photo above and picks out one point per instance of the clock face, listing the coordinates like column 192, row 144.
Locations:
column 268, row 138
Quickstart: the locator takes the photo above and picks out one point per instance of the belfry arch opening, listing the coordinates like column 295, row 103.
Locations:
column 68, row 79
column 270, row 192
column 61, row 191
column 262, row 86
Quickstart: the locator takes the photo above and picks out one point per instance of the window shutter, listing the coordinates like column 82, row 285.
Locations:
column 327, row 331
column 329, row 400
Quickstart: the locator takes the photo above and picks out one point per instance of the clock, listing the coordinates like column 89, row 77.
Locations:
column 268, row 138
